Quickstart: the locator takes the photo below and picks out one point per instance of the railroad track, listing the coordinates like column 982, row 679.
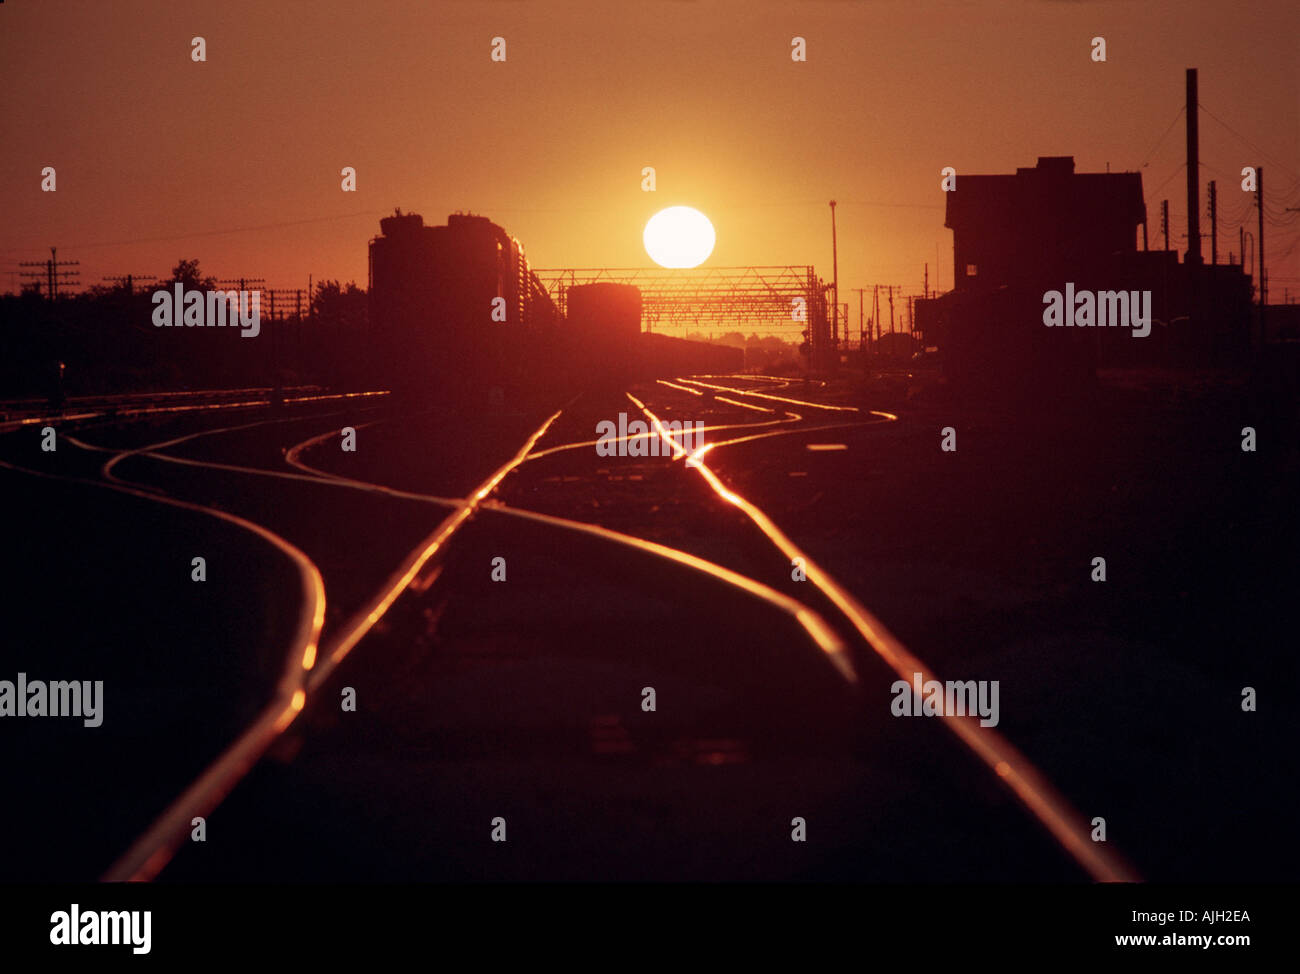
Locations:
column 18, row 414
column 145, row 859
column 839, row 628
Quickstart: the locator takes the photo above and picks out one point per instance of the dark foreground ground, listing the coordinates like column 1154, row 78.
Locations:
column 1127, row 693
column 521, row 699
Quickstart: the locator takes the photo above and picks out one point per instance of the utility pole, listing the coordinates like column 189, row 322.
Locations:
column 875, row 312
column 1214, row 224
column 243, row 283
column 127, row 281
column 311, row 306
column 1164, row 222
column 1192, row 259
column 862, row 341
column 891, row 309
column 1263, row 275
column 52, row 273
column 835, row 279
column 925, row 288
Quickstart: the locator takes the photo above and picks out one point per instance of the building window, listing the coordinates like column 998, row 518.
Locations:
column 970, row 270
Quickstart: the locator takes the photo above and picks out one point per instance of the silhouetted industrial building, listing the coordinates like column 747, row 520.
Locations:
column 1016, row 238
column 1044, row 223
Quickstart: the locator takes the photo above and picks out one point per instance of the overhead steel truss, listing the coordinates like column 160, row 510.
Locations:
column 774, row 296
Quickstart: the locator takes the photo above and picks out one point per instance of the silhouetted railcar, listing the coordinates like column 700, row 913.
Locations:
column 458, row 316
column 663, row 357
column 457, row 312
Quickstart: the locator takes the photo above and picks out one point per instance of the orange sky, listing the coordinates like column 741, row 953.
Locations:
column 550, row 144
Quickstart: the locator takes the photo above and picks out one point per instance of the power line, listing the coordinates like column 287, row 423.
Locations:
column 1181, row 167
column 918, row 206
column 1268, row 156
column 1240, row 220
column 1162, row 138
column 1279, row 212
column 215, row 233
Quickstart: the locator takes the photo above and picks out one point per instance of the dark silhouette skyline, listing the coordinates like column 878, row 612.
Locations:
column 888, row 96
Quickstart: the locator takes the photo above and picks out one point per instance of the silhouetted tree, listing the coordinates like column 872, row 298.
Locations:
column 187, row 273
column 340, row 351
column 336, row 305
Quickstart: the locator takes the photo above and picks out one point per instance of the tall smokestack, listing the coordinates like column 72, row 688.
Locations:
column 1193, row 174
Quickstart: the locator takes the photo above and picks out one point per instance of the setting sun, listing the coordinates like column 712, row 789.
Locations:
column 679, row 236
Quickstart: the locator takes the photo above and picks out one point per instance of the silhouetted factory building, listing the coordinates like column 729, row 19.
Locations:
column 1043, row 223
column 1018, row 238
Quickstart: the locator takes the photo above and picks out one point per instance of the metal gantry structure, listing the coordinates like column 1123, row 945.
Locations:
column 746, row 298
column 703, row 295
column 722, row 297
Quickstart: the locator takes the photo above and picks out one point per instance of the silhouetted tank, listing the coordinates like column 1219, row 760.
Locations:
column 401, row 225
